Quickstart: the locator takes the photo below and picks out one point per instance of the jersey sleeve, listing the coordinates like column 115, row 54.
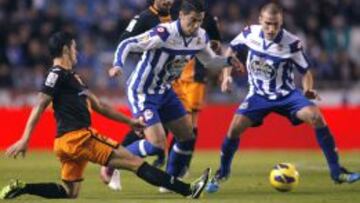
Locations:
column 239, row 43
column 210, row 60
column 212, row 28
column 52, row 83
column 301, row 61
column 149, row 40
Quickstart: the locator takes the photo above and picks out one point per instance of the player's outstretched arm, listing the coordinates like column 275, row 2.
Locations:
column 107, row 111
column 210, row 60
column 140, row 43
column 308, row 85
column 20, row 147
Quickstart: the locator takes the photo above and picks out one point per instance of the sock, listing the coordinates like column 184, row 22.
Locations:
column 161, row 156
column 171, row 145
column 327, row 144
column 130, row 137
column 47, row 190
column 179, row 156
column 228, row 150
column 144, row 148
column 195, row 131
column 157, row 177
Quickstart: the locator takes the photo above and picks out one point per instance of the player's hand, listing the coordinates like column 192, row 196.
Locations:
column 115, row 71
column 238, row 66
column 226, row 84
column 138, row 125
column 18, row 148
column 312, row 94
column 216, row 46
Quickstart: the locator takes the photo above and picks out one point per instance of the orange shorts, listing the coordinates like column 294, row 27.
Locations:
column 191, row 94
column 74, row 149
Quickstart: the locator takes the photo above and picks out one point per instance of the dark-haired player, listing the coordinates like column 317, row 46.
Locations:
column 76, row 142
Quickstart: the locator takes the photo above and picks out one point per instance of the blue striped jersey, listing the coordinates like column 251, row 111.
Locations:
column 270, row 63
column 166, row 50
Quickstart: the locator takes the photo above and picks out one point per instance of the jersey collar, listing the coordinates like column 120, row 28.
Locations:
column 276, row 40
column 186, row 39
column 278, row 37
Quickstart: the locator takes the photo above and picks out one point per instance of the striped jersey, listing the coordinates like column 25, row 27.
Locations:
column 270, row 63
column 166, row 50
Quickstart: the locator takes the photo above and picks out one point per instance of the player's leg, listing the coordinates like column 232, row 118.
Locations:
column 121, row 158
column 231, row 143
column 160, row 160
column 129, row 138
column 155, row 141
column 111, row 176
column 101, row 150
column 154, row 144
column 192, row 96
column 181, row 151
column 229, row 146
column 71, row 174
column 250, row 113
column 194, row 121
column 47, row 190
column 313, row 116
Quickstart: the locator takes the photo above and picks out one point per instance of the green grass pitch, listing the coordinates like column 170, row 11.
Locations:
column 248, row 182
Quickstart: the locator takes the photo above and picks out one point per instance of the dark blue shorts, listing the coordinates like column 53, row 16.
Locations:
column 256, row 107
column 155, row 108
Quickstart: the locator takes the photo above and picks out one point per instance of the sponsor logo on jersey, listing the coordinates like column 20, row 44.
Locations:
column 148, row 114
column 262, row 70
column 51, row 79
column 255, row 42
column 244, row 105
column 160, row 29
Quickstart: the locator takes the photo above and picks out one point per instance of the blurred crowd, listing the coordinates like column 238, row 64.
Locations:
column 330, row 30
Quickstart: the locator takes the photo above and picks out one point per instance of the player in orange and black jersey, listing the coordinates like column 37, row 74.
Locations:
column 158, row 12
column 76, row 142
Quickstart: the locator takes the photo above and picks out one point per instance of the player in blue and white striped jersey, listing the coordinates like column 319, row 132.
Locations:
column 272, row 54
column 166, row 49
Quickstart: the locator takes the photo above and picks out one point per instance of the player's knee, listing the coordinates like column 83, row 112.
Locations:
column 159, row 143
column 134, row 162
column 187, row 137
column 235, row 131
column 316, row 120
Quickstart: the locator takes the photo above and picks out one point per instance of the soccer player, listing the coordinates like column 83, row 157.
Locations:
column 76, row 142
column 272, row 53
column 158, row 12
column 189, row 87
column 166, row 49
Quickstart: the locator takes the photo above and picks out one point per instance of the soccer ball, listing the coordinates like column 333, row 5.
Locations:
column 284, row 177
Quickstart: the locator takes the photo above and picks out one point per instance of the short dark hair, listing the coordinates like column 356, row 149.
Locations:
column 188, row 6
column 57, row 42
column 272, row 8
